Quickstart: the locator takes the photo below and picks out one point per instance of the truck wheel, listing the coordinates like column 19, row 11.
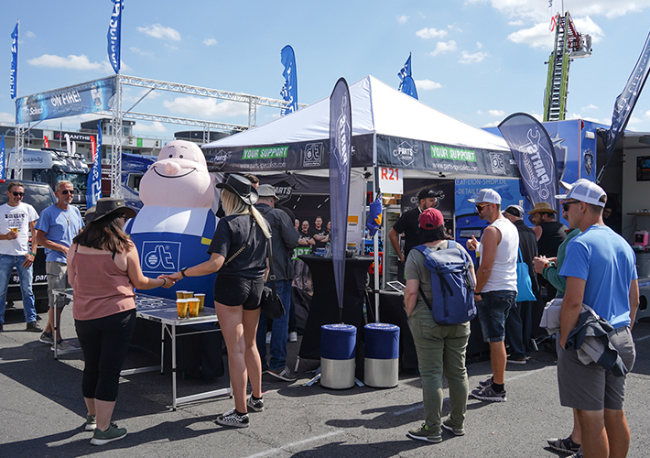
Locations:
column 41, row 305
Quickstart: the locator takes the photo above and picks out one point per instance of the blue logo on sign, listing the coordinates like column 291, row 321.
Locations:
column 160, row 256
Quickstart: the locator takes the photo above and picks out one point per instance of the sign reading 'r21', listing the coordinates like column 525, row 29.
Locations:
column 391, row 180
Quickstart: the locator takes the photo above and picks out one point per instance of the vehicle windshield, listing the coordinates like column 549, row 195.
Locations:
column 78, row 180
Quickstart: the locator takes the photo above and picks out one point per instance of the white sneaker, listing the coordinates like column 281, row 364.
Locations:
column 268, row 337
column 293, row 336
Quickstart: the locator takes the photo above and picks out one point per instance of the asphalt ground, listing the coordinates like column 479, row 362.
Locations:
column 42, row 412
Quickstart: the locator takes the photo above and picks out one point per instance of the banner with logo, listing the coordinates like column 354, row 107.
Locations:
column 46, row 142
column 407, row 86
column 534, row 154
column 114, row 35
column 625, row 103
column 340, row 152
column 13, row 73
column 94, row 184
column 2, row 157
column 289, row 90
column 91, row 97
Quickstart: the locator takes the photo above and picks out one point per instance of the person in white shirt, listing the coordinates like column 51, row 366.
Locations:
column 17, row 220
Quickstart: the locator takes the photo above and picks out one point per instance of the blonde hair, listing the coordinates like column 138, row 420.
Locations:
column 234, row 205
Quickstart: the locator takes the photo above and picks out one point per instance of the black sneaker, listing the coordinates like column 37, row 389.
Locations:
column 33, row 326
column 284, row 374
column 488, row 394
column 511, row 360
column 233, row 419
column 46, row 338
column 486, row 382
column 564, row 445
column 256, row 405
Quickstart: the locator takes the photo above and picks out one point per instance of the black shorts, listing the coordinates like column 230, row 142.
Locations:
column 234, row 291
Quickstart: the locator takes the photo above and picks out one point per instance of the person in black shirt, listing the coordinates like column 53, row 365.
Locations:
column 320, row 234
column 550, row 234
column 408, row 225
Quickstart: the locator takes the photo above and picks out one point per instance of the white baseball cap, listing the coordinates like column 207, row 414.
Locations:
column 489, row 196
column 584, row 191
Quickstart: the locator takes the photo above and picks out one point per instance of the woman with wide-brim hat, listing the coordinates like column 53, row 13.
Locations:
column 238, row 253
column 103, row 269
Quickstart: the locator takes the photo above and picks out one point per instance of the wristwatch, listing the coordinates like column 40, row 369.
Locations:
column 183, row 272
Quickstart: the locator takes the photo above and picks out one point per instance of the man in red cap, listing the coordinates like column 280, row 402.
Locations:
column 437, row 345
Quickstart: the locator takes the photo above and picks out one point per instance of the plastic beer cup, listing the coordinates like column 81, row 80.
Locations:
column 181, row 305
column 194, row 304
column 14, row 230
column 188, row 294
column 180, row 294
column 201, row 298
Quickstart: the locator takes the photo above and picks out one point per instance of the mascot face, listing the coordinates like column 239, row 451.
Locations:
column 179, row 178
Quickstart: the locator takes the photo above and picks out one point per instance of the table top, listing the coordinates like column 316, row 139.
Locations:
column 161, row 310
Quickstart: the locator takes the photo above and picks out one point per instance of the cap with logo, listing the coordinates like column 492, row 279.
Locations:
column 585, row 191
column 427, row 193
column 489, row 196
column 431, row 218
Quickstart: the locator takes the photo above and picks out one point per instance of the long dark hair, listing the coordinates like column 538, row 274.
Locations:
column 105, row 234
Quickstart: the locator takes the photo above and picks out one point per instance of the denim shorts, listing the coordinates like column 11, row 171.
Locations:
column 234, row 290
column 492, row 313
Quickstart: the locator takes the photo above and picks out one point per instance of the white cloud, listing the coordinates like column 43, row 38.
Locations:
column 150, row 127
column 210, row 42
column 536, row 10
column 141, row 52
column 444, row 46
column 7, row 118
column 479, row 45
column 647, row 113
column 537, row 36
column 159, row 31
column 591, row 106
column 71, row 62
column 492, row 124
column 427, row 85
column 402, row 19
column 431, row 33
column 30, row 34
column 587, row 26
column 475, row 58
column 496, row 112
column 635, row 120
column 518, row 23
column 198, row 107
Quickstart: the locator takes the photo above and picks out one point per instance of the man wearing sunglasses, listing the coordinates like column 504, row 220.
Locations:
column 600, row 272
column 17, row 219
column 57, row 226
column 496, row 287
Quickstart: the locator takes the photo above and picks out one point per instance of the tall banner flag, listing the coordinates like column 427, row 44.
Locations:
column 407, row 86
column 625, row 103
column 115, row 34
column 555, row 7
column 289, row 90
column 94, row 184
column 340, row 151
column 2, row 158
column 13, row 73
column 534, row 154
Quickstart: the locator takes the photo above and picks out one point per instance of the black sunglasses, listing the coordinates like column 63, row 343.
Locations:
column 566, row 205
column 65, row 192
column 16, row 194
column 479, row 208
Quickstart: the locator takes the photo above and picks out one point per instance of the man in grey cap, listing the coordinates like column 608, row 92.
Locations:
column 284, row 240
column 600, row 272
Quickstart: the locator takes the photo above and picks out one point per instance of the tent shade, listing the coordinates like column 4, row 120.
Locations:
column 402, row 125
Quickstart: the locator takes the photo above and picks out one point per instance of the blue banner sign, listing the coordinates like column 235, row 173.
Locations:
column 407, row 86
column 92, row 97
column 340, row 151
column 534, row 154
column 13, row 74
column 114, row 35
column 2, row 158
column 289, row 91
column 94, row 184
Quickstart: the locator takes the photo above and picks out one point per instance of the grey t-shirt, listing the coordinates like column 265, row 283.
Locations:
column 415, row 270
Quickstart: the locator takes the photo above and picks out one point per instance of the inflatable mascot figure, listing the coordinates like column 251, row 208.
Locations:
column 176, row 224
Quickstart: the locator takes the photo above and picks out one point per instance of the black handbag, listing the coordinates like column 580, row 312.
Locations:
column 271, row 304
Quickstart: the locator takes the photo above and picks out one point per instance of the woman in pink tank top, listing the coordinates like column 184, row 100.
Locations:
column 103, row 269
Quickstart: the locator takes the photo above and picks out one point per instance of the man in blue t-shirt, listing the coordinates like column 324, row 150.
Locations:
column 600, row 272
column 55, row 229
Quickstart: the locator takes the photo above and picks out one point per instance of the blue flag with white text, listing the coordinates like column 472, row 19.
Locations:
column 375, row 215
column 94, row 184
column 625, row 103
column 13, row 74
column 289, row 90
column 407, row 86
column 2, row 158
column 114, row 34
column 340, row 151
column 534, row 154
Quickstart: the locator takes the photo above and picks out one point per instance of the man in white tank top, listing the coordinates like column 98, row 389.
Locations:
column 496, row 287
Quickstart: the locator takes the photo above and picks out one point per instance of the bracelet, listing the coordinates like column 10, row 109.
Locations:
column 33, row 254
column 164, row 282
column 183, row 272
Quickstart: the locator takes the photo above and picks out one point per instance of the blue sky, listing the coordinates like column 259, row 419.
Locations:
column 475, row 60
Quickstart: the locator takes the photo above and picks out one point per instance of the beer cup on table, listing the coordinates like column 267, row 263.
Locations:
column 194, row 304
column 201, row 298
column 182, row 306
column 188, row 294
column 180, row 294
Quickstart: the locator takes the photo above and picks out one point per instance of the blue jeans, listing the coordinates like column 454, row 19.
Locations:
column 279, row 330
column 25, row 275
column 492, row 313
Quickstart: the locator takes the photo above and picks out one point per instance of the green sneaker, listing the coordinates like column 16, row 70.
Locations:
column 424, row 433
column 447, row 424
column 91, row 422
column 113, row 433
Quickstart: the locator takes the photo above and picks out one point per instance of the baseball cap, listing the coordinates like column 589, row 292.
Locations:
column 585, row 191
column 431, row 219
column 489, row 196
column 426, row 193
column 266, row 190
column 515, row 210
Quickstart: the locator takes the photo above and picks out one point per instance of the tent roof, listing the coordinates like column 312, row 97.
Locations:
column 376, row 108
